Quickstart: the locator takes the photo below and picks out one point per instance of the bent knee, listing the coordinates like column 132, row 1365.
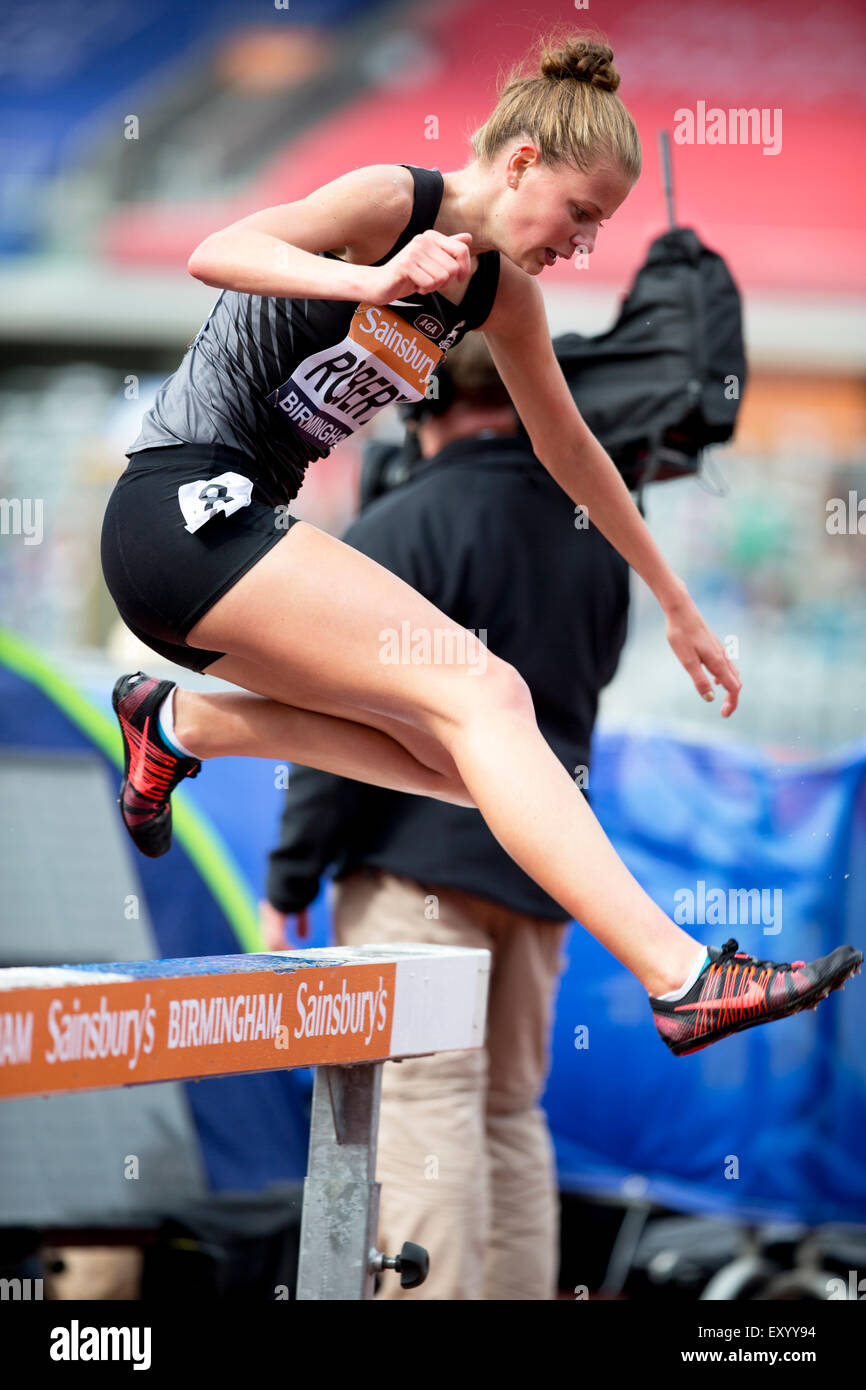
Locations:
column 464, row 698
column 501, row 687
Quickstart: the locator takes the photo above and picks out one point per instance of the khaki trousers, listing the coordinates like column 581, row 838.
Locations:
column 465, row 1157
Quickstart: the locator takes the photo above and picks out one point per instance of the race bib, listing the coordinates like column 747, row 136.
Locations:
column 382, row 361
column 201, row 500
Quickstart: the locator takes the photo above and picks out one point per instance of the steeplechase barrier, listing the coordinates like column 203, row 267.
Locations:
column 343, row 1012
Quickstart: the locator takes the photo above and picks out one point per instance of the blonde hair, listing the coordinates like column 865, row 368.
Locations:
column 567, row 106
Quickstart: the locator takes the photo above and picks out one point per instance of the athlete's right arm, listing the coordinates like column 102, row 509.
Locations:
column 272, row 252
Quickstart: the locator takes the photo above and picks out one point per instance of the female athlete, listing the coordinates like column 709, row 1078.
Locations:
column 332, row 308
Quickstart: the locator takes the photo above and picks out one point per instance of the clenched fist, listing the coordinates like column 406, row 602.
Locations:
column 426, row 263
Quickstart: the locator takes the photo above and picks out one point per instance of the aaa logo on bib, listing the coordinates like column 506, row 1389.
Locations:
column 381, row 361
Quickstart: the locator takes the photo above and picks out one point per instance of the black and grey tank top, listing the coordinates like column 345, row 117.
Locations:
column 285, row 380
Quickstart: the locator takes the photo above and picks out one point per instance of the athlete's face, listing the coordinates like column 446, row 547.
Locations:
column 550, row 212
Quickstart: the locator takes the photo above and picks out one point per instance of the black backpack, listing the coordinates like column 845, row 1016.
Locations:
column 667, row 379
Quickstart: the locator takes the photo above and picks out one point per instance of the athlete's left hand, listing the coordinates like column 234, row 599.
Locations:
column 697, row 647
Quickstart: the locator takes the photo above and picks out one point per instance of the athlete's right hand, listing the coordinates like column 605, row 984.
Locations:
column 426, row 263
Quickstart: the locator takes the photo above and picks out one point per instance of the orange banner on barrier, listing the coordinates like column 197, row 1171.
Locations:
column 120, row 1033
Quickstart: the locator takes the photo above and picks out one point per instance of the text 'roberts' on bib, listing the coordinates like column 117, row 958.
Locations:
column 381, row 361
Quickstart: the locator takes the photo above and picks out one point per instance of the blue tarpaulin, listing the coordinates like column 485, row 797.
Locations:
column 769, row 1123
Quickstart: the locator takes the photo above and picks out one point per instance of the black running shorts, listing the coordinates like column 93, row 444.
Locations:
column 181, row 526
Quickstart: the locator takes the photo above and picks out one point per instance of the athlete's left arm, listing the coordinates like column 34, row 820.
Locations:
column 518, row 337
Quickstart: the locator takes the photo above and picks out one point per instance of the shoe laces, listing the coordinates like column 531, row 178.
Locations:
column 731, row 947
column 164, row 804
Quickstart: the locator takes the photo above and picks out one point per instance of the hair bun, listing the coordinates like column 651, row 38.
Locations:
column 583, row 60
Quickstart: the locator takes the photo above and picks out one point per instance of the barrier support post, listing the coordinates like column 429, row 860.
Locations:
column 340, row 1214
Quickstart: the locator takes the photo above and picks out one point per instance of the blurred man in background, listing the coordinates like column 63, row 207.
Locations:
column 465, row 1156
